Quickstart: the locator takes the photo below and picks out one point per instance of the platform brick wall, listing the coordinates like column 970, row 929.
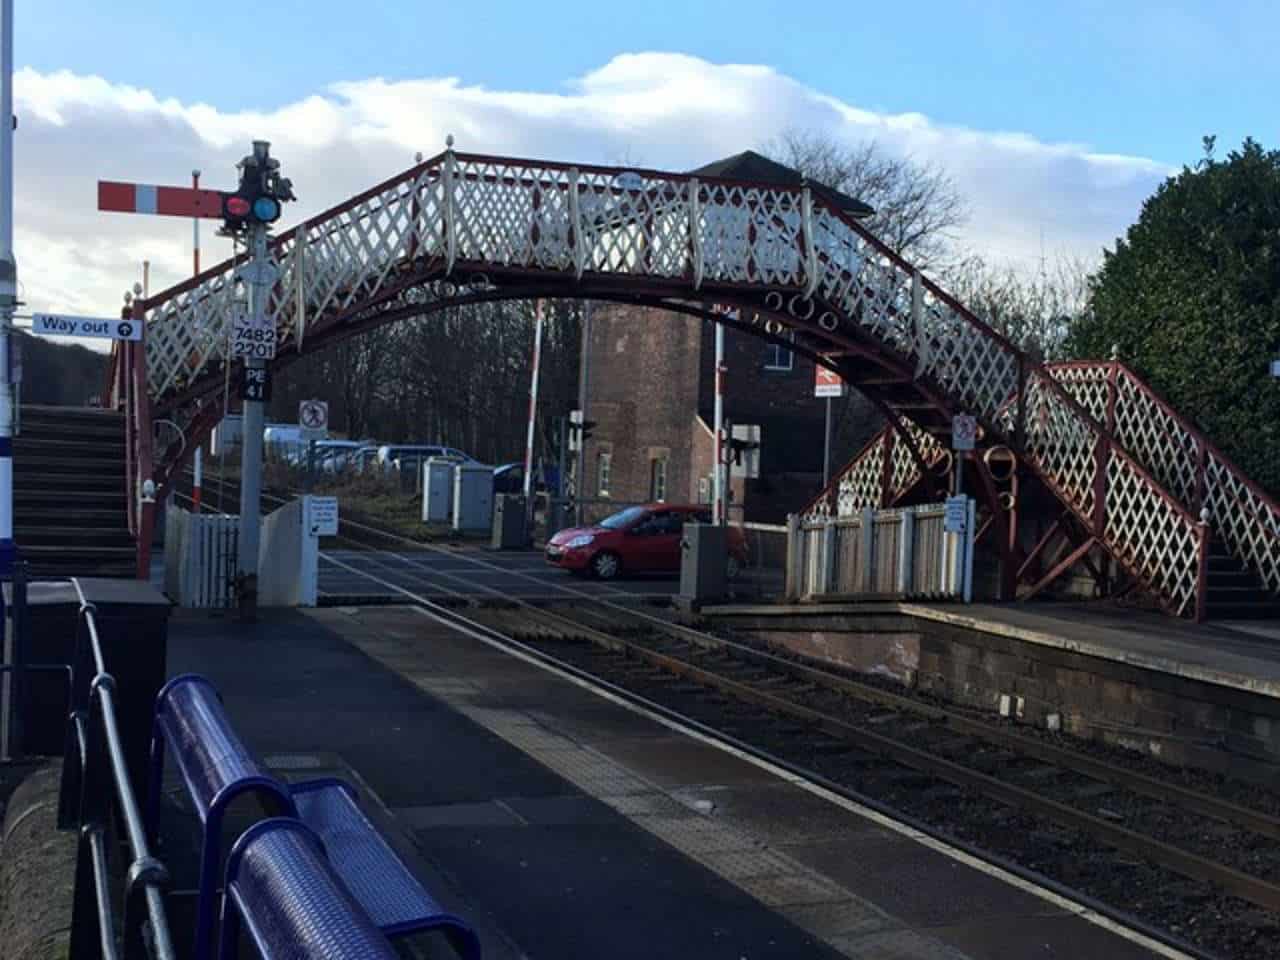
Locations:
column 1175, row 719
column 1178, row 720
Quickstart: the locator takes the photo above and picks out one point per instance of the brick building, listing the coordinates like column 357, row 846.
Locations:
column 651, row 393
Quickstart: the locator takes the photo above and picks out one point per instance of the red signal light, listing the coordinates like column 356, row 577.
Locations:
column 238, row 206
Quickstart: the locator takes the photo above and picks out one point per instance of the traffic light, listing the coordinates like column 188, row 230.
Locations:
column 261, row 195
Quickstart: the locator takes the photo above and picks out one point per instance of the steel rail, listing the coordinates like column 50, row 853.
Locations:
column 1248, row 887
column 487, row 632
column 1245, row 886
column 1152, row 787
column 1186, row 798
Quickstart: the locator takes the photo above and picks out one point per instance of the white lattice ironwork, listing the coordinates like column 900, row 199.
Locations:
column 1244, row 517
column 1139, row 532
column 1087, row 383
column 1182, row 460
column 456, row 218
column 860, row 484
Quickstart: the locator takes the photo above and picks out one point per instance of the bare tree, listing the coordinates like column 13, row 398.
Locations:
column 917, row 206
column 1034, row 310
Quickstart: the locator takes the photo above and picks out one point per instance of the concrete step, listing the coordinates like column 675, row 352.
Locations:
column 1224, row 579
column 67, row 446
column 108, row 465
column 60, row 556
column 1252, row 593
column 1268, row 610
column 72, row 537
column 84, row 488
column 70, row 421
column 55, row 513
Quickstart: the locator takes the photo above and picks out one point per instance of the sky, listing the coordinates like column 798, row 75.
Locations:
column 1055, row 120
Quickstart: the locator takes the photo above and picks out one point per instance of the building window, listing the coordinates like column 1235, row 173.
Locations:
column 604, row 472
column 658, row 479
column 777, row 357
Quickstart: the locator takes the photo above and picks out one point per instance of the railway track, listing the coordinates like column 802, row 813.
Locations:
column 1183, row 859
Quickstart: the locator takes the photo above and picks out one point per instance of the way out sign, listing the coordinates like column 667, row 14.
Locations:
column 62, row 325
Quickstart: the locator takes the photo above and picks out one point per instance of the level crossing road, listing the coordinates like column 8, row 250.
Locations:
column 470, row 573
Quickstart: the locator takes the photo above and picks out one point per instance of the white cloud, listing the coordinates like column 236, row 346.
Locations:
column 656, row 109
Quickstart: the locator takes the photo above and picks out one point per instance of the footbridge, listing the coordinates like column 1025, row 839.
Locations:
column 1142, row 499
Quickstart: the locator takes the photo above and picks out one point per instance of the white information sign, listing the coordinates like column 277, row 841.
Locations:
column 250, row 340
column 62, row 325
column 956, row 515
column 964, row 431
column 323, row 521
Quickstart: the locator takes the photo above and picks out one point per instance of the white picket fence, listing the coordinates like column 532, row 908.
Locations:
column 201, row 551
column 903, row 553
column 200, row 558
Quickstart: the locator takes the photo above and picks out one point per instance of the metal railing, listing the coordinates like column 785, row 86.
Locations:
column 97, row 799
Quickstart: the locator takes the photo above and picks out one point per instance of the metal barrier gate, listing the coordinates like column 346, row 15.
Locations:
column 200, row 553
column 901, row 553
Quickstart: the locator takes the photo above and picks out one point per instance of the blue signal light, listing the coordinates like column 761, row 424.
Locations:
column 266, row 209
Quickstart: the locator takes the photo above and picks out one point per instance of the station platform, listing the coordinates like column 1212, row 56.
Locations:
column 567, row 824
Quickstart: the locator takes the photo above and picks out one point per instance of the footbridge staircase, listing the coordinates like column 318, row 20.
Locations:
column 786, row 261
column 1238, row 522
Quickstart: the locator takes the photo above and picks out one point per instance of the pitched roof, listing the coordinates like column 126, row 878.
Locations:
column 750, row 165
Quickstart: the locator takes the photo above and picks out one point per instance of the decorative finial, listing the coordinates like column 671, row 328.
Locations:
column 1204, row 514
column 417, row 157
column 137, row 289
column 128, row 297
column 448, row 141
column 1115, row 352
column 195, row 173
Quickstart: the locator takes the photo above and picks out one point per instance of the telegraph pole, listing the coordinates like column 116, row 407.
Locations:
column 719, row 509
column 584, row 374
column 8, row 288
column 529, row 489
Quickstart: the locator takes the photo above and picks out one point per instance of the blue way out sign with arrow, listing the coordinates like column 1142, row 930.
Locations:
column 62, row 325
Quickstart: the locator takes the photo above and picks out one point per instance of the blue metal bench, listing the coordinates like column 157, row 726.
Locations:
column 378, row 878
column 282, row 890
column 217, row 767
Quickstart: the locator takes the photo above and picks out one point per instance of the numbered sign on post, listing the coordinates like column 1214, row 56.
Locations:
column 251, row 341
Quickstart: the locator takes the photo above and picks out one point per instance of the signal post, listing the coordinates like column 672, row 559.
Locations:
column 247, row 215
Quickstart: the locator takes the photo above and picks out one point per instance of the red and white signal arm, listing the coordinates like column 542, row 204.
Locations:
column 827, row 383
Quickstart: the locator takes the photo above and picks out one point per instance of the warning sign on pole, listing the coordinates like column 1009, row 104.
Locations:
column 827, row 383
column 964, row 432
column 313, row 418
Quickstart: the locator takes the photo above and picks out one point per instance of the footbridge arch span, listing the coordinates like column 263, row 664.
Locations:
column 460, row 228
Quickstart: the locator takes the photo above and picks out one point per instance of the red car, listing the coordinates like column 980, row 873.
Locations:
column 638, row 540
